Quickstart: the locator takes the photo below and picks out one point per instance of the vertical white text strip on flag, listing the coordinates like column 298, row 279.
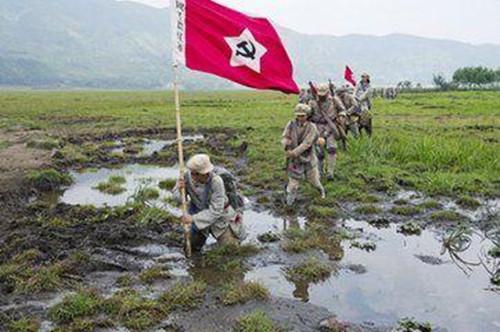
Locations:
column 178, row 10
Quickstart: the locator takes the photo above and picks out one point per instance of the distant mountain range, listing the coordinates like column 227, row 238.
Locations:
column 125, row 45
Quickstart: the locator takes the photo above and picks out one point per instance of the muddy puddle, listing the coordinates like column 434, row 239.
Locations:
column 406, row 276
column 83, row 190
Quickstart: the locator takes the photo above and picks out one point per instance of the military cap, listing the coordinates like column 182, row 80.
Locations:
column 302, row 109
column 323, row 89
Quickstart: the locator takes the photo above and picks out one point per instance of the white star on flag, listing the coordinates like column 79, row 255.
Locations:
column 246, row 51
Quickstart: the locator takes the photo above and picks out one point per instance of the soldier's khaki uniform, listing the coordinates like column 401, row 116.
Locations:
column 301, row 139
column 211, row 212
column 353, row 111
column 363, row 95
column 331, row 108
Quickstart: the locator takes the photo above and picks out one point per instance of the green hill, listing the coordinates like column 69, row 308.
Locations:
column 110, row 44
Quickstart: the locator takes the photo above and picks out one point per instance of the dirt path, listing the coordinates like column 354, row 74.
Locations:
column 16, row 160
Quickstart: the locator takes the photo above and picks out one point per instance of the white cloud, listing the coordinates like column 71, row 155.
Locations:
column 470, row 21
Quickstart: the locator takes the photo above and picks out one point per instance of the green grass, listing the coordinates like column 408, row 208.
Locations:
column 241, row 293
column 153, row 274
column 468, row 202
column 322, row 212
column 368, row 209
column 43, row 143
column 256, row 321
column 269, row 237
column 113, row 186
column 406, row 210
column 312, row 270
column 167, row 184
column 410, row 228
column 4, row 144
column 447, row 149
column 184, row 296
column 495, row 251
column 134, row 311
column 313, row 237
column 23, row 325
column 430, row 204
column 368, row 246
column 446, row 215
column 21, row 274
column 85, row 303
column 48, row 179
column 410, row 324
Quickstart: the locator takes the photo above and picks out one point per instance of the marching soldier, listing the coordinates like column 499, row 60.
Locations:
column 299, row 139
column 325, row 110
column 363, row 95
column 353, row 110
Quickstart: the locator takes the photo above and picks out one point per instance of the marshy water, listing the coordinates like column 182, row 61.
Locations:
column 151, row 146
column 406, row 276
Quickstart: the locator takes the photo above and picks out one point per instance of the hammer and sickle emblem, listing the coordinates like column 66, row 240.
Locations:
column 246, row 49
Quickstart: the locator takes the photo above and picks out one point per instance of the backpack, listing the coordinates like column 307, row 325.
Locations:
column 230, row 185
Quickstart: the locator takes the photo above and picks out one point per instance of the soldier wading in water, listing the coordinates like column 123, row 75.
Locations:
column 214, row 204
column 299, row 139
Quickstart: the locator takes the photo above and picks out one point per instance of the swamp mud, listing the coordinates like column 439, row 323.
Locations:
column 105, row 253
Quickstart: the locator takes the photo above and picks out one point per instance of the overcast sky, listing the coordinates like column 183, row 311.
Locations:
column 474, row 21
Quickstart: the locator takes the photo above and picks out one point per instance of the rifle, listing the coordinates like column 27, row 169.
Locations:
column 337, row 129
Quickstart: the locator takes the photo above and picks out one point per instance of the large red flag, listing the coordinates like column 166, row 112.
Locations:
column 349, row 76
column 214, row 39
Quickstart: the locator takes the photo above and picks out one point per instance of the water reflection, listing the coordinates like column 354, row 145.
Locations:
column 82, row 191
column 398, row 284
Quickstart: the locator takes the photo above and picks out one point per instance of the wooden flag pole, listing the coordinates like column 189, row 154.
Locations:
column 180, row 150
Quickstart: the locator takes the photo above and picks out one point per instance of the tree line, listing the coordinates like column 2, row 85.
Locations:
column 469, row 78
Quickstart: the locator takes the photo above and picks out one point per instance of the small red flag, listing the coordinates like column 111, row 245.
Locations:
column 214, row 39
column 349, row 76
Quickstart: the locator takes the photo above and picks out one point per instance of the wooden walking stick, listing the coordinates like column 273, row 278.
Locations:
column 180, row 150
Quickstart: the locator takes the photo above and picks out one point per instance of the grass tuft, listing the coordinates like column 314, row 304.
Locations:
column 240, row 293
column 322, row 212
column 23, row 325
column 430, row 204
column 48, row 179
column 367, row 246
column 495, row 251
column 368, row 209
column 167, row 184
column 184, row 296
column 84, row 303
column 153, row 274
column 311, row 270
column 446, row 215
column 43, row 143
column 134, row 311
column 313, row 237
column 410, row 228
column 257, row 321
column 269, row 237
column 113, row 186
column 411, row 325
column 406, row 210
column 468, row 202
